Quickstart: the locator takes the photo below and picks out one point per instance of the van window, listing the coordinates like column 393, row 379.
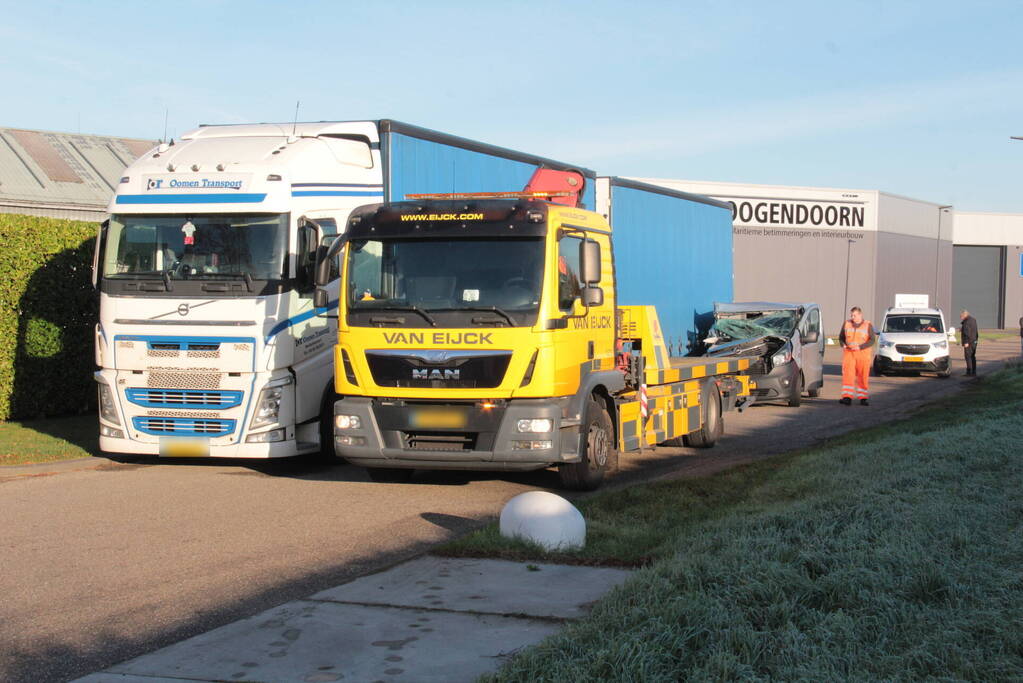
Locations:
column 913, row 323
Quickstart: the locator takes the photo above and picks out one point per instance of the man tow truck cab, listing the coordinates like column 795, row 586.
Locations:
column 786, row 337
column 485, row 334
column 913, row 340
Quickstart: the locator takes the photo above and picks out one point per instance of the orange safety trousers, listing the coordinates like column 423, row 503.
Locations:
column 856, row 372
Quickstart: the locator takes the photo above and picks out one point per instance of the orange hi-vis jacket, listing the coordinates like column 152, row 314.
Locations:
column 856, row 361
column 856, row 336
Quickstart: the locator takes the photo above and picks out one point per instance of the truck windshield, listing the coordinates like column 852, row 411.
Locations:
column 913, row 323
column 444, row 282
column 202, row 247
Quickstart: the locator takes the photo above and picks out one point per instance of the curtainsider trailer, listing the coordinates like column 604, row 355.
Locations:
column 516, row 333
column 208, row 341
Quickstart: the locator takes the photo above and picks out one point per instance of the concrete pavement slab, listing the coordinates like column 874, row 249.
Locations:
column 309, row 642
column 483, row 586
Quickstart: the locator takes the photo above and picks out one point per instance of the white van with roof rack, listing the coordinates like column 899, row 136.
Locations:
column 913, row 340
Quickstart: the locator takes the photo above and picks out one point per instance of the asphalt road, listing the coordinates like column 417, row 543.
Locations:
column 102, row 561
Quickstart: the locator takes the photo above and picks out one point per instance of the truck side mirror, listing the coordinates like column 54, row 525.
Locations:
column 320, row 298
column 593, row 296
column 810, row 337
column 97, row 256
column 326, row 256
column 309, row 236
column 589, row 262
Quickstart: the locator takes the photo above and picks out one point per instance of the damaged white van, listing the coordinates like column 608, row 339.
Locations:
column 788, row 339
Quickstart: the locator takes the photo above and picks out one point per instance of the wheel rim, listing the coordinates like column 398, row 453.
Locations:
column 598, row 445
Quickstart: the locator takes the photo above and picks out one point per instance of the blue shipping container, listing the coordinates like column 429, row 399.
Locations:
column 673, row 250
column 420, row 161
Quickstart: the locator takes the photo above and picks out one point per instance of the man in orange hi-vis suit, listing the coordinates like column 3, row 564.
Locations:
column 857, row 340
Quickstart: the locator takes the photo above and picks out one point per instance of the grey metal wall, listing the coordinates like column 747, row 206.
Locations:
column 802, row 265
column 912, row 265
column 1013, row 299
column 978, row 273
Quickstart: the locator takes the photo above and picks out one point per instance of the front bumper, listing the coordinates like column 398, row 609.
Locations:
column 777, row 384
column 897, row 363
column 389, row 435
column 278, row 449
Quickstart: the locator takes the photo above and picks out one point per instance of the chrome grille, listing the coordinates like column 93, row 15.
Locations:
column 913, row 349
column 183, row 398
column 183, row 380
column 183, row 426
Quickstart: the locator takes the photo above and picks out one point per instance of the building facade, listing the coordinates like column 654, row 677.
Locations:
column 988, row 274
column 835, row 247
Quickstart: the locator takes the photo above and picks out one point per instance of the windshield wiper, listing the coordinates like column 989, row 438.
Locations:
column 413, row 309
column 489, row 309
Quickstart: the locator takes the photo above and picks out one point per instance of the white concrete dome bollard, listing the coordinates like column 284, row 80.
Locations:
column 545, row 519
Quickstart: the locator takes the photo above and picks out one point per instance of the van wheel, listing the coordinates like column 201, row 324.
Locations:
column 596, row 451
column 796, row 397
column 713, row 424
column 947, row 372
column 389, row 475
column 815, row 390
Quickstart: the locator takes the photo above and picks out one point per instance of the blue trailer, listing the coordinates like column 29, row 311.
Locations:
column 421, row 161
column 673, row 250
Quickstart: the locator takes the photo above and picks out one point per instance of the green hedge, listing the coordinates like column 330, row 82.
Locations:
column 48, row 310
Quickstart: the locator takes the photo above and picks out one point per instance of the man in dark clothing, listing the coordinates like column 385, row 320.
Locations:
column 968, row 332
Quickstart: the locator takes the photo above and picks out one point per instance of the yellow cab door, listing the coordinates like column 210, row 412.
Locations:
column 584, row 336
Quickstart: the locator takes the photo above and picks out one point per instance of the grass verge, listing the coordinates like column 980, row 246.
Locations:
column 893, row 552
column 48, row 440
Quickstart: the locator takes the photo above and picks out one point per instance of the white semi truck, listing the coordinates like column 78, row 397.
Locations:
column 208, row 341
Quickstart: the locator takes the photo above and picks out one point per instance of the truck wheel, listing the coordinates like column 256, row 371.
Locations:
column 596, row 451
column 947, row 372
column 389, row 475
column 713, row 424
column 796, row 397
column 327, row 454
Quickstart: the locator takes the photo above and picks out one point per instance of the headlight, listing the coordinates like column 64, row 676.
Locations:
column 107, row 405
column 886, row 344
column 536, row 425
column 347, row 422
column 782, row 357
column 941, row 345
column 268, row 407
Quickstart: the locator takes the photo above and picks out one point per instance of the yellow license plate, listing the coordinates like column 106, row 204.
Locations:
column 184, row 448
column 425, row 418
column 913, row 359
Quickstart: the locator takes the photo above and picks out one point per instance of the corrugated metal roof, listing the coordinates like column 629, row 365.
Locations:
column 63, row 169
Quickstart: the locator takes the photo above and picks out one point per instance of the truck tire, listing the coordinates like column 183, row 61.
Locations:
column 327, row 454
column 596, row 451
column 796, row 395
column 389, row 475
column 713, row 424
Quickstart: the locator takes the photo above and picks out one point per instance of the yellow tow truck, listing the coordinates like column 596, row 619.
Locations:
column 485, row 334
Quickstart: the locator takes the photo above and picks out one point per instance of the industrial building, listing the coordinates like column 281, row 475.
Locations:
column 987, row 276
column 835, row 247
column 62, row 175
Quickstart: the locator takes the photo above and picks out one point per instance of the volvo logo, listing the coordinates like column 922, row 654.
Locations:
column 426, row 373
column 183, row 309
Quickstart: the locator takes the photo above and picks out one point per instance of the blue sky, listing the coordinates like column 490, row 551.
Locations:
column 915, row 98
